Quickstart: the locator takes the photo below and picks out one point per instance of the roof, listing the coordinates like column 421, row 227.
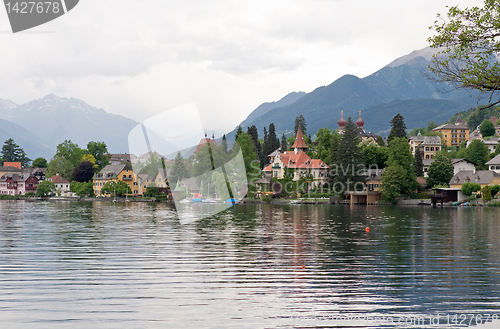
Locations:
column 459, row 120
column 421, row 181
column 299, row 140
column 494, row 161
column 480, row 177
column 16, row 177
column 300, row 159
column 122, row 157
column 205, row 141
column 13, row 164
column 57, row 179
column 9, row 168
column 450, row 126
column 427, row 139
column 374, row 174
column 454, row 161
column 111, row 171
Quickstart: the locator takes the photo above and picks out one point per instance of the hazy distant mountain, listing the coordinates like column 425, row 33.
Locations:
column 25, row 139
column 402, row 80
column 53, row 119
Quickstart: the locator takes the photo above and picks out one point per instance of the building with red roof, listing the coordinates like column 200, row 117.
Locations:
column 297, row 164
column 206, row 142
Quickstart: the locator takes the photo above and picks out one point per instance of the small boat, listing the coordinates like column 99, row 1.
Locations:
column 185, row 201
column 294, row 202
column 197, row 200
column 233, row 201
column 209, row 201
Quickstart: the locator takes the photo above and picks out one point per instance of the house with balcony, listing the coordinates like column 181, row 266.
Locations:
column 297, row 164
column 452, row 134
column 115, row 173
column 18, row 184
column 481, row 177
column 427, row 145
column 458, row 165
column 494, row 164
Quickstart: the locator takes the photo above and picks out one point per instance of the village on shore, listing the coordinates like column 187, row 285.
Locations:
column 449, row 163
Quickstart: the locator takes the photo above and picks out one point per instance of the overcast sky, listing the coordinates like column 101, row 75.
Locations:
column 140, row 58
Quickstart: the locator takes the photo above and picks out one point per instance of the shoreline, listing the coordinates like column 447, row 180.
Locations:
column 308, row 201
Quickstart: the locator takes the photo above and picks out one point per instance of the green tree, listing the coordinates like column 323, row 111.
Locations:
column 494, row 189
column 419, row 166
column 400, row 155
column 120, row 187
column 223, row 144
column 11, row 152
column 45, row 188
column 469, row 188
column 348, row 168
column 440, row 171
column 487, row 128
column 391, row 182
column 486, row 193
column 284, row 143
column 324, row 143
column 300, row 120
column 40, row 163
column 61, row 166
column 477, row 152
column 99, row 151
column 334, row 147
column 249, row 156
column 375, row 156
column 84, row 172
column 257, row 147
column 380, row 141
column 470, row 43
column 238, row 132
column 70, row 151
column 398, row 128
column 178, row 171
column 82, row 188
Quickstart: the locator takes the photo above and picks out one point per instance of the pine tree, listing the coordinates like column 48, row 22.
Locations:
column 238, row 132
column 302, row 122
column 398, row 128
column 419, row 166
column 273, row 141
column 265, row 145
column 334, row 148
column 178, row 171
column 348, row 162
column 223, row 144
column 284, row 143
column 11, row 152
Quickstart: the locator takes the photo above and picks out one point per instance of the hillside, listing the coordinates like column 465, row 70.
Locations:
column 398, row 87
column 25, row 139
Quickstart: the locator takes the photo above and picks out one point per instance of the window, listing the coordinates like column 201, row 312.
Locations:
column 427, row 156
column 432, row 148
column 376, row 185
column 437, row 148
column 275, row 172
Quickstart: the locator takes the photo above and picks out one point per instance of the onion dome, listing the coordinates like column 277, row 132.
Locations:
column 341, row 121
column 360, row 122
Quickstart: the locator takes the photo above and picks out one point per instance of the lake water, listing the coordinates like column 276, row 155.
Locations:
column 137, row 265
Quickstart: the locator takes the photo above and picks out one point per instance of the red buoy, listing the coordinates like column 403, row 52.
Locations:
column 367, row 229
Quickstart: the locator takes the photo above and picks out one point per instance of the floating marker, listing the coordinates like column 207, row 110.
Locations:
column 367, row 229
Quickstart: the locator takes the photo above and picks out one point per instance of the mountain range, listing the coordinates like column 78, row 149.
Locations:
column 40, row 125
column 399, row 87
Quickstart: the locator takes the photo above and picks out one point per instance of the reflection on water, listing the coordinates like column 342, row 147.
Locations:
column 139, row 265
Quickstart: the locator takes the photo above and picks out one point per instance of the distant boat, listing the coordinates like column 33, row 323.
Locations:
column 294, row 201
column 197, row 200
column 231, row 201
column 185, row 201
column 209, row 201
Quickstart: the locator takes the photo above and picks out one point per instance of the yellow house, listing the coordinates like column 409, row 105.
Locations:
column 452, row 134
column 115, row 173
